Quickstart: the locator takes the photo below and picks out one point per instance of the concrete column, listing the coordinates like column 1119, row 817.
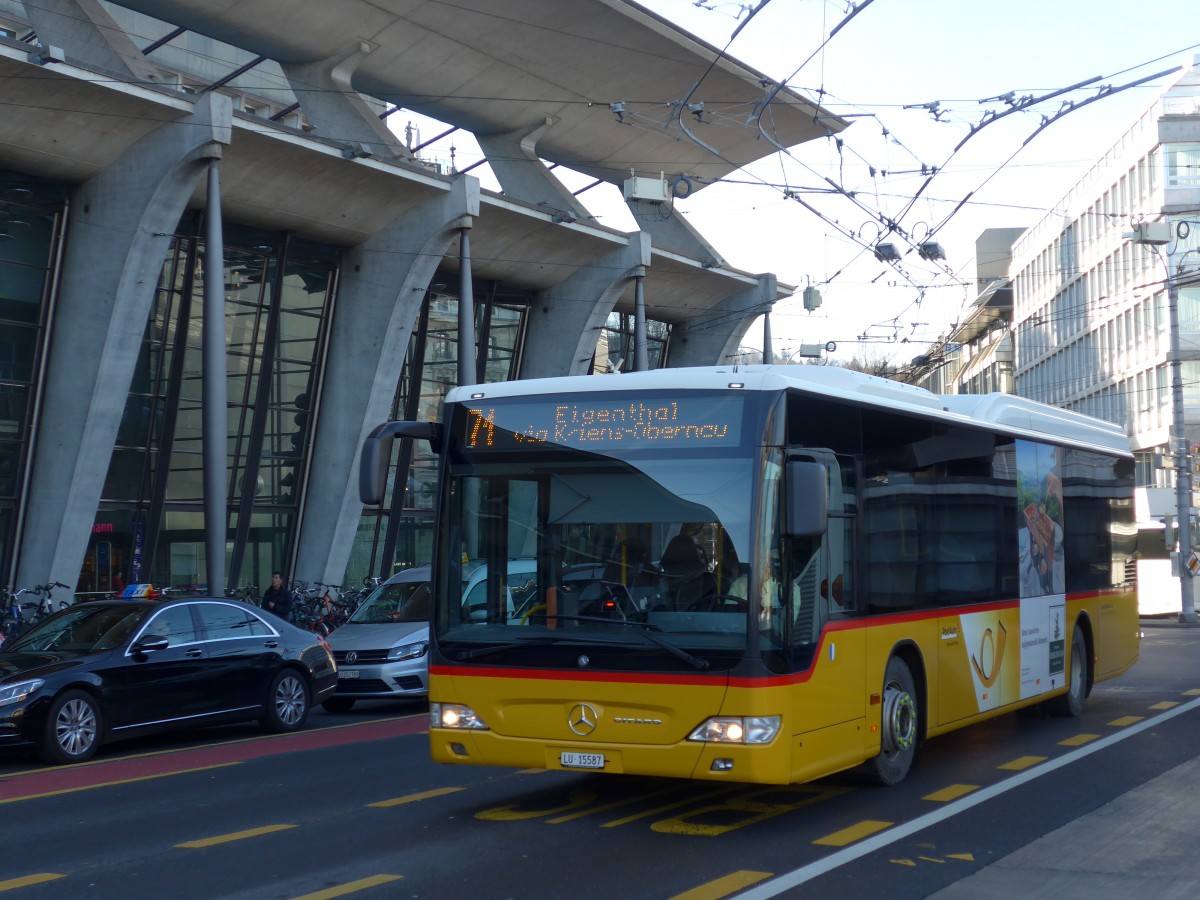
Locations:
column 86, row 32
column 336, row 109
column 671, row 231
column 120, row 227
column 523, row 176
column 564, row 322
column 380, row 291
column 713, row 338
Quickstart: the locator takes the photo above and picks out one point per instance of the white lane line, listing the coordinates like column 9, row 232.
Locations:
column 789, row 880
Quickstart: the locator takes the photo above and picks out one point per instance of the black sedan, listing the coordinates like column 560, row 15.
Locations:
column 103, row 671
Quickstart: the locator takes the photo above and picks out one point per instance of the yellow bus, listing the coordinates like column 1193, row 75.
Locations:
column 763, row 574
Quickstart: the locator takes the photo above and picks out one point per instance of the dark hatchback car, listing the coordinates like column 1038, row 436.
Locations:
column 102, row 671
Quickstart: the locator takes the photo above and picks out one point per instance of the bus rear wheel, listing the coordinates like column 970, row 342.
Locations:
column 899, row 728
column 1070, row 704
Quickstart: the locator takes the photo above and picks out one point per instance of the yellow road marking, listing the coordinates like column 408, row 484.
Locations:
column 853, row 833
column 1079, row 740
column 953, row 792
column 1166, row 704
column 723, row 886
column 1194, row 692
column 904, row 862
column 100, row 784
column 413, row 798
column 1126, row 720
column 532, row 771
column 350, row 887
column 232, row 836
column 965, row 857
column 1022, row 762
column 588, row 810
column 669, row 806
column 28, row 880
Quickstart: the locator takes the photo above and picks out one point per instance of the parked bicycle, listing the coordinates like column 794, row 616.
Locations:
column 309, row 608
column 17, row 615
column 247, row 593
column 47, row 606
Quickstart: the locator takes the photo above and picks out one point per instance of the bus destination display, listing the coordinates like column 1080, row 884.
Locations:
column 605, row 424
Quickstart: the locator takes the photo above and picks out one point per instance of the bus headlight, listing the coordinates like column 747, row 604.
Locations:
column 737, row 730
column 454, row 715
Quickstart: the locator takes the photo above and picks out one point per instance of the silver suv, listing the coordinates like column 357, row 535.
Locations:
column 381, row 649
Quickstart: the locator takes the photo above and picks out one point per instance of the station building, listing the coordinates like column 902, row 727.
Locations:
column 134, row 137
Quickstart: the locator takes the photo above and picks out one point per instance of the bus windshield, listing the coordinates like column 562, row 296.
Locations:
column 636, row 562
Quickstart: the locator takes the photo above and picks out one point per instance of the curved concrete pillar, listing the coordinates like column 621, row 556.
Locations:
column 523, row 176
column 86, row 32
column 713, row 338
column 336, row 109
column 671, row 231
column 564, row 322
column 120, row 227
column 381, row 287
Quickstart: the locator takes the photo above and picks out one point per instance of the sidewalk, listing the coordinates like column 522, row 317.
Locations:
column 1142, row 844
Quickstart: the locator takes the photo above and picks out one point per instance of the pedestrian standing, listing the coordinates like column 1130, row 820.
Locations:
column 277, row 598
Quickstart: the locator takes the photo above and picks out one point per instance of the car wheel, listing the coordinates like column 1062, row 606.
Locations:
column 338, row 704
column 900, row 727
column 287, row 702
column 1070, row 704
column 72, row 730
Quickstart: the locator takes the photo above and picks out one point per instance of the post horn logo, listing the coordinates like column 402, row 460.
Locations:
column 991, row 650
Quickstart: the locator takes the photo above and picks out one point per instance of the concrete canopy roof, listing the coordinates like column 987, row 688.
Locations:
column 496, row 66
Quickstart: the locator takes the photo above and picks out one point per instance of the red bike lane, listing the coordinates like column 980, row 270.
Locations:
column 99, row 773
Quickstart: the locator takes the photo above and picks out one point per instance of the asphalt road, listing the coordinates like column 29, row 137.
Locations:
column 353, row 807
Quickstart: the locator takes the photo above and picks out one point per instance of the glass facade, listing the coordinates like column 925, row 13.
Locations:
column 32, row 214
column 398, row 534
column 615, row 349
column 150, row 525
column 279, row 294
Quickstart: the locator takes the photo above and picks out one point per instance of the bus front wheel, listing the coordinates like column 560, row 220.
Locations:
column 899, row 728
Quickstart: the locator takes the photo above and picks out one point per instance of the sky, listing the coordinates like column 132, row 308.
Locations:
column 914, row 78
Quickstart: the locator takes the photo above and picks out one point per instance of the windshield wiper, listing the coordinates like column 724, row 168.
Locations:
column 647, row 628
column 480, row 652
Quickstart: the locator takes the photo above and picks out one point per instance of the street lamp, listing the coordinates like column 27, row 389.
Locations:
column 1155, row 235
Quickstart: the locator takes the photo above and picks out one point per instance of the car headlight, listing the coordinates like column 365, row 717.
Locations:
column 737, row 730
column 15, row 693
column 409, row 651
column 454, row 715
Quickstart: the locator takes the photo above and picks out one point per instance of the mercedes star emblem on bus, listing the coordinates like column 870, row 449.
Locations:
column 582, row 719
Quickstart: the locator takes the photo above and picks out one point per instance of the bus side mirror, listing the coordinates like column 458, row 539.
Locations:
column 806, row 505
column 377, row 451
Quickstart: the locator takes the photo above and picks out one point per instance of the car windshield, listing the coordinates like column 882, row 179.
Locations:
column 81, row 629
column 403, row 601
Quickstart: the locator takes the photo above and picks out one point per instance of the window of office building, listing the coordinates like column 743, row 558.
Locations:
column 276, row 307
column 1183, row 165
column 32, row 214
column 398, row 534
